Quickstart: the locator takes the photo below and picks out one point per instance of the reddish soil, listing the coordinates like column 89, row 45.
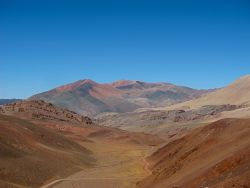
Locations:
column 31, row 154
column 217, row 155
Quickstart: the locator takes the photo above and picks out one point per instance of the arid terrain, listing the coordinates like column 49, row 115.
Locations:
column 125, row 94
column 231, row 101
column 31, row 154
column 49, row 144
column 119, row 165
column 92, row 98
column 203, row 142
column 216, row 155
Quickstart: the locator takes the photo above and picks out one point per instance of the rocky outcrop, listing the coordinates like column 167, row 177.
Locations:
column 41, row 110
column 155, row 117
column 1, row 110
column 187, row 115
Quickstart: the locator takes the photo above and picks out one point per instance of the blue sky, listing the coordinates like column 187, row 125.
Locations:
column 46, row 43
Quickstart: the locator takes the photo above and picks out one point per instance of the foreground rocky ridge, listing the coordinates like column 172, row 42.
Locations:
column 40, row 110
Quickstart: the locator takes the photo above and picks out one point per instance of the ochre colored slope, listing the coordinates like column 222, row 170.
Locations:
column 217, row 155
column 31, row 155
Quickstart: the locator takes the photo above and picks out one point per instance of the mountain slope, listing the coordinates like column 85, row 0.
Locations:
column 91, row 98
column 237, row 93
column 230, row 101
column 217, row 155
column 87, row 97
column 31, row 154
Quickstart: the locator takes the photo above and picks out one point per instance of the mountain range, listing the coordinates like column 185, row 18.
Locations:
column 7, row 101
column 230, row 101
column 142, row 135
column 92, row 98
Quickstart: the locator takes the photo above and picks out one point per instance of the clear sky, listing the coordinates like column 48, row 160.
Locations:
column 47, row 43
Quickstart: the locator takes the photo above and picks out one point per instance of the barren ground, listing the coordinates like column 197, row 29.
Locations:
column 118, row 166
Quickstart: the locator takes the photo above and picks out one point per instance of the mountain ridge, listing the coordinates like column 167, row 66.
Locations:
column 90, row 98
column 226, row 102
column 7, row 101
column 236, row 93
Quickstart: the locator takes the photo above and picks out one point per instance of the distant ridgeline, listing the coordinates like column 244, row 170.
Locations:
column 7, row 101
